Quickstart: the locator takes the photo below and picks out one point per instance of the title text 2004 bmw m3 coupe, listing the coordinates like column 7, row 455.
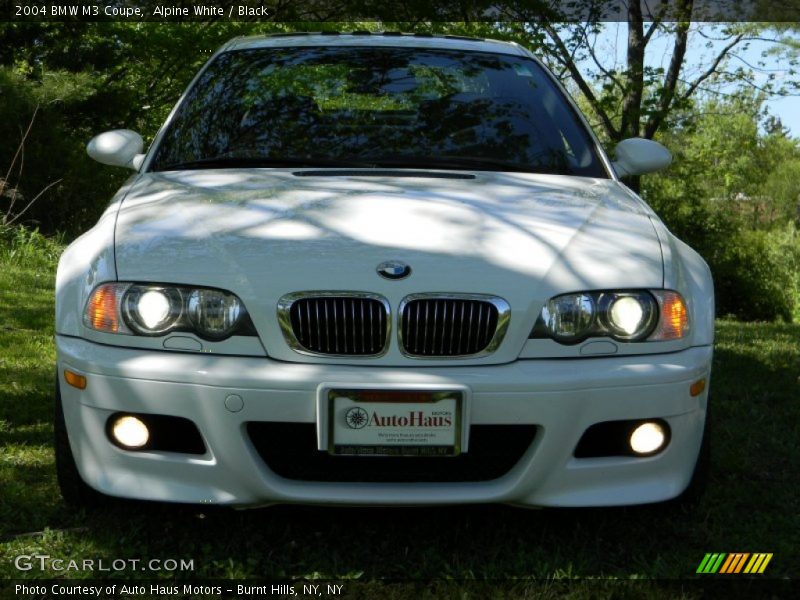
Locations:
column 372, row 269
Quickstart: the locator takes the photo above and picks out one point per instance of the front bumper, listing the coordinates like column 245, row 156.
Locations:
column 561, row 397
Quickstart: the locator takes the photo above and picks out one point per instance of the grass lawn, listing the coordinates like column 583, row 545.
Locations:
column 751, row 504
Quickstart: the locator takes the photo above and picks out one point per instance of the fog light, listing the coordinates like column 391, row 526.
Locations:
column 648, row 438
column 130, row 432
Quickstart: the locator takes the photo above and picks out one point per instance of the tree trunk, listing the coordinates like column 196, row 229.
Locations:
column 632, row 104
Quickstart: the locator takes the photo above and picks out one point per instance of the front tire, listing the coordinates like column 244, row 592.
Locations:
column 74, row 490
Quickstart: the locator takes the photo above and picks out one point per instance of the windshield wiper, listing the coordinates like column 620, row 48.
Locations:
column 465, row 162
column 399, row 161
column 232, row 162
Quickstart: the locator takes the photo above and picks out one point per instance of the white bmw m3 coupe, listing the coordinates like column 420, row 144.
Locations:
column 379, row 270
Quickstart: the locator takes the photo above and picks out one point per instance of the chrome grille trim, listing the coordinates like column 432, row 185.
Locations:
column 468, row 314
column 331, row 323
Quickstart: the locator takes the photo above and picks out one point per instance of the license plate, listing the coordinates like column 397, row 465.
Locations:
column 394, row 422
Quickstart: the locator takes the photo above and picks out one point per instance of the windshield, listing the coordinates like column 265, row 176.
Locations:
column 377, row 107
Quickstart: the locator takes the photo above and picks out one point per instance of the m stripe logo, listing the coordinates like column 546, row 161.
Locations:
column 733, row 563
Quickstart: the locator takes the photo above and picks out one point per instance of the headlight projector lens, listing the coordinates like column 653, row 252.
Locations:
column 215, row 314
column 628, row 316
column 569, row 317
column 152, row 310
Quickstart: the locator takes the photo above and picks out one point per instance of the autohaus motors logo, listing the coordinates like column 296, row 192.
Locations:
column 358, row 418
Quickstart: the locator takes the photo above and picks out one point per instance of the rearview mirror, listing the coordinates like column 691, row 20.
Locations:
column 637, row 156
column 118, row 148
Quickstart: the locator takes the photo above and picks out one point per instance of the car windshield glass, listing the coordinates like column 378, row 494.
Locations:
column 376, row 107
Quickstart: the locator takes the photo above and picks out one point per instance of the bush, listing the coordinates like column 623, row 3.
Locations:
column 756, row 275
column 755, row 272
column 52, row 158
column 28, row 246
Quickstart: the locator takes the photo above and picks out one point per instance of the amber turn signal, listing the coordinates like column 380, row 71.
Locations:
column 674, row 321
column 697, row 387
column 75, row 380
column 102, row 310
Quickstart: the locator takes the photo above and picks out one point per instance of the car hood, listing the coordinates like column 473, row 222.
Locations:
column 263, row 233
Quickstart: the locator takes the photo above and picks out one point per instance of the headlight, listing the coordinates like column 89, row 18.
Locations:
column 626, row 316
column 151, row 310
column 214, row 314
column 155, row 310
column 569, row 318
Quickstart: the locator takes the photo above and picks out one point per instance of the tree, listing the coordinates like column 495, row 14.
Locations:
column 634, row 99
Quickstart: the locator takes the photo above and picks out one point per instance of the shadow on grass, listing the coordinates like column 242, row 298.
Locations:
column 39, row 434
column 757, row 421
column 24, row 401
column 401, row 543
column 30, row 500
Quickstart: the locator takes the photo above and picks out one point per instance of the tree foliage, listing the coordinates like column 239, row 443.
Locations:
column 733, row 194
column 82, row 78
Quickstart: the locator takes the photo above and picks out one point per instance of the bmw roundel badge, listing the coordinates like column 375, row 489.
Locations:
column 393, row 269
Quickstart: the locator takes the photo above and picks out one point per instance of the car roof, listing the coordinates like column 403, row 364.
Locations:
column 383, row 39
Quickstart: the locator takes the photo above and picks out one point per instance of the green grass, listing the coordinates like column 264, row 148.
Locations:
column 751, row 504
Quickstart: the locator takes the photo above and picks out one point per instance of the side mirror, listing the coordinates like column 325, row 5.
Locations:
column 118, row 148
column 637, row 156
